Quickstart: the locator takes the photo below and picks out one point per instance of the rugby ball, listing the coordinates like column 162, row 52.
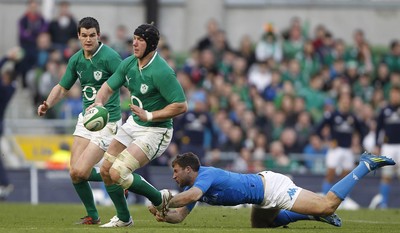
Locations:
column 96, row 118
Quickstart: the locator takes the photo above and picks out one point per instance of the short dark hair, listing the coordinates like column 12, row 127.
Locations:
column 393, row 44
column 88, row 22
column 187, row 159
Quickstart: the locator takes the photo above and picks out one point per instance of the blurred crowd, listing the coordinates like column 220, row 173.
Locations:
column 262, row 102
column 257, row 104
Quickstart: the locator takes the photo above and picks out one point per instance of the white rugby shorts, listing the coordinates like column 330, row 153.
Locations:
column 340, row 158
column 152, row 140
column 279, row 191
column 391, row 151
column 101, row 138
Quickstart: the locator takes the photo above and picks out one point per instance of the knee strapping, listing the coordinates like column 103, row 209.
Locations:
column 109, row 157
column 125, row 165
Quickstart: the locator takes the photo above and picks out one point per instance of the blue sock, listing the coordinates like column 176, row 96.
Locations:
column 326, row 186
column 342, row 188
column 384, row 190
column 285, row 217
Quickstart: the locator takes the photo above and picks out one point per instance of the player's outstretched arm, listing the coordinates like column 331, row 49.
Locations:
column 172, row 216
column 184, row 198
column 57, row 93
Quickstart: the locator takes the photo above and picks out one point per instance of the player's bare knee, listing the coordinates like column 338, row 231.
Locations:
column 73, row 174
column 78, row 174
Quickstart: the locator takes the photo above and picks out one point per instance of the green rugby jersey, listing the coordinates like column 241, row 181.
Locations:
column 152, row 88
column 92, row 73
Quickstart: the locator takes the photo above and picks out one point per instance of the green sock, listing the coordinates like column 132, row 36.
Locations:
column 95, row 175
column 86, row 195
column 118, row 198
column 144, row 188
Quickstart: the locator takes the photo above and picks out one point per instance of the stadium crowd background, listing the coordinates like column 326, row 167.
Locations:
column 256, row 104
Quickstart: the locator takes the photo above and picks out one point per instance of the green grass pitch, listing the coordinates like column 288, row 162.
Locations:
column 61, row 217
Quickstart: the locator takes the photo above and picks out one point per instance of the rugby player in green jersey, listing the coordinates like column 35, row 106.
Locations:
column 156, row 98
column 92, row 66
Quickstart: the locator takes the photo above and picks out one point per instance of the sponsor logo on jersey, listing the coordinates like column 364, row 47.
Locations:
column 79, row 74
column 210, row 199
column 97, row 75
column 144, row 88
column 292, row 192
column 127, row 79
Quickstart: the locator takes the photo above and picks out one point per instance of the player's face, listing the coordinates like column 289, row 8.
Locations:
column 181, row 176
column 89, row 39
column 139, row 46
column 345, row 103
column 395, row 97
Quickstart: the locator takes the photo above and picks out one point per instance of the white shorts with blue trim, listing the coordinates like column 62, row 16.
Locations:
column 279, row 191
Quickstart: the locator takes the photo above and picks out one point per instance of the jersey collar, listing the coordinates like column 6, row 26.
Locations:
column 98, row 49
column 152, row 59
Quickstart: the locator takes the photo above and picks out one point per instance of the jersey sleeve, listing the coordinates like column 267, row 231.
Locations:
column 204, row 181
column 169, row 87
column 70, row 76
column 117, row 80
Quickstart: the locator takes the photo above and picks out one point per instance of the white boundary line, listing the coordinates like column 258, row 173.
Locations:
column 371, row 222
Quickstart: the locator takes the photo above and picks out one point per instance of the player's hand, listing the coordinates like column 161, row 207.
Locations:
column 152, row 209
column 42, row 109
column 160, row 217
column 93, row 105
column 140, row 112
